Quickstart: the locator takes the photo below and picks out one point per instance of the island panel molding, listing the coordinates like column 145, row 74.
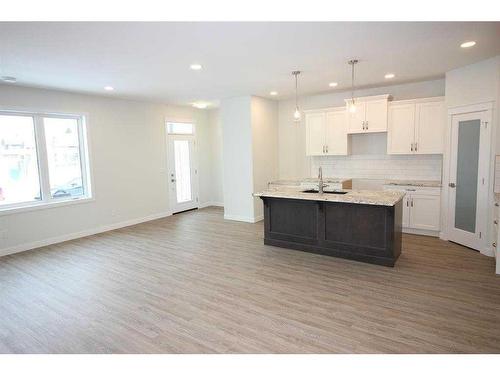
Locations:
column 362, row 232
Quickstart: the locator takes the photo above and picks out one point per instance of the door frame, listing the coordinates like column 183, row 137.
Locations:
column 194, row 162
column 485, row 200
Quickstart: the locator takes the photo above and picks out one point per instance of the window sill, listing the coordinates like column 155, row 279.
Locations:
column 44, row 205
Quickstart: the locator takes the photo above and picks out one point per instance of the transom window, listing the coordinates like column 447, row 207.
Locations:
column 43, row 159
column 180, row 128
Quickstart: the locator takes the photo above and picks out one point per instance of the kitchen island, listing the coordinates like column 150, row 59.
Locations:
column 362, row 225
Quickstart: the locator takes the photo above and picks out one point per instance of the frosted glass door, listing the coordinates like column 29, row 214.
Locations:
column 469, row 175
column 466, row 174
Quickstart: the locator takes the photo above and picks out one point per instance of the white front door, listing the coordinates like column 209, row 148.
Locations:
column 469, row 171
column 182, row 173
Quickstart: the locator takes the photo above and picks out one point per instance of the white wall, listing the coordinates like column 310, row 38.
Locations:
column 474, row 84
column 293, row 162
column 216, row 170
column 128, row 157
column 236, row 120
column 250, row 149
column 264, row 147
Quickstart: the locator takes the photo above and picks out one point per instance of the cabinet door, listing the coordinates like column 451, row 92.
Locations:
column 401, row 128
column 336, row 133
column 406, row 211
column 425, row 212
column 430, row 127
column 315, row 133
column 376, row 116
column 356, row 120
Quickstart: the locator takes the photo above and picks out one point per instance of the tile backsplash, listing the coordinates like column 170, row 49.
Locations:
column 380, row 167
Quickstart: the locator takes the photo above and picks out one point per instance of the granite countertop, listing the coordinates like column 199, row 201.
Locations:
column 374, row 197
column 416, row 183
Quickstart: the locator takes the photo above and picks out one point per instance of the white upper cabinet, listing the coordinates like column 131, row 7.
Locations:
column 401, row 132
column 416, row 126
column 370, row 115
column 315, row 133
column 356, row 120
column 430, row 127
column 336, row 133
column 326, row 132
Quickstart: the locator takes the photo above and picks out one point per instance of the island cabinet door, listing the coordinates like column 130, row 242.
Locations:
column 365, row 230
column 291, row 220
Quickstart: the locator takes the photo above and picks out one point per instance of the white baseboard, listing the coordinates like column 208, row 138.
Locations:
column 421, row 232
column 211, row 203
column 84, row 233
column 246, row 219
column 489, row 252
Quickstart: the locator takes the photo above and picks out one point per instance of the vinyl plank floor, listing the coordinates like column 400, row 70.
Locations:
column 196, row 283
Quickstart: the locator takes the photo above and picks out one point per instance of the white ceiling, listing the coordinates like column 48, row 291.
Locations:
column 151, row 61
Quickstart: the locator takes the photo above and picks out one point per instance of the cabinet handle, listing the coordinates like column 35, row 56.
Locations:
column 495, row 222
column 326, row 149
column 363, row 123
column 412, row 202
column 323, row 149
column 407, row 203
column 416, row 146
column 412, row 147
column 367, row 125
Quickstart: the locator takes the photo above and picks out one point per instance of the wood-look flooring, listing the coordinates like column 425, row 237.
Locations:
column 195, row 283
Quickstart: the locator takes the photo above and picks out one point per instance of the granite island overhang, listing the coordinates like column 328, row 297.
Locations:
column 362, row 225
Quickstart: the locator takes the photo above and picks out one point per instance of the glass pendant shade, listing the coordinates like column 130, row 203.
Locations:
column 352, row 108
column 296, row 115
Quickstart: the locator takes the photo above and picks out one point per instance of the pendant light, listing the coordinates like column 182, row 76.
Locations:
column 352, row 106
column 296, row 114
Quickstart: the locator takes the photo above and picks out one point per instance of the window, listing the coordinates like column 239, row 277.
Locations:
column 180, row 128
column 43, row 159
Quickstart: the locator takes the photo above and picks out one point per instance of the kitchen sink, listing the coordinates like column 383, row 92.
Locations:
column 325, row 192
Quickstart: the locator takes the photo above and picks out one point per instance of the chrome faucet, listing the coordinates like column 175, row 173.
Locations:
column 321, row 185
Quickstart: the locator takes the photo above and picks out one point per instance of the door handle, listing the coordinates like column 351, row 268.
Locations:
column 452, row 185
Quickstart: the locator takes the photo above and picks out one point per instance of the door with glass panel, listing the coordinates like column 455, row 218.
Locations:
column 468, row 186
column 182, row 172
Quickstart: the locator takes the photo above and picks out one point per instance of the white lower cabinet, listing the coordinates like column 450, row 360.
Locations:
column 424, row 212
column 421, row 209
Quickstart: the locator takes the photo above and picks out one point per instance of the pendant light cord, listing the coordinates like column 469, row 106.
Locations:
column 296, row 92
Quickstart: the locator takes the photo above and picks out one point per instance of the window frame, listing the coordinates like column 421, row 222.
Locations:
column 47, row 201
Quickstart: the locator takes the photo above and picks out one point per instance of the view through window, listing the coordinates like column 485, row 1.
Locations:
column 35, row 148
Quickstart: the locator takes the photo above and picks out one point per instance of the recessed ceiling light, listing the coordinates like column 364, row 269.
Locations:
column 389, row 75
column 195, row 66
column 468, row 44
column 333, row 84
column 9, row 79
column 108, row 88
column 273, row 93
column 200, row 105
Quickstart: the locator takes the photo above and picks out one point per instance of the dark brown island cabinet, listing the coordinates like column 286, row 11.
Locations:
column 364, row 232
